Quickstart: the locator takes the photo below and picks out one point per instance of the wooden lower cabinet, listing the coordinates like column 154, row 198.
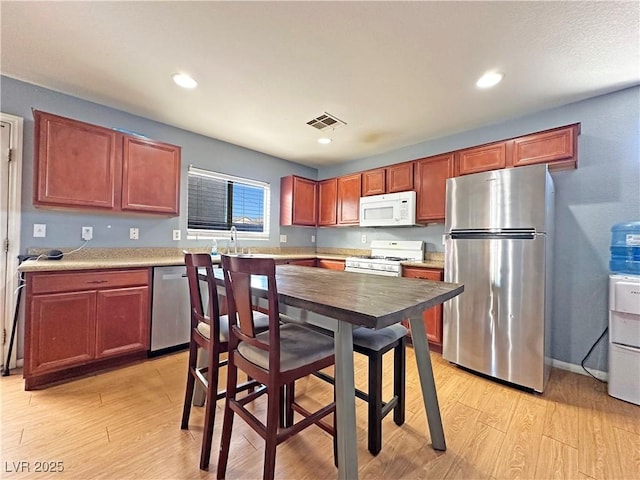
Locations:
column 310, row 262
column 121, row 327
column 432, row 317
column 80, row 321
column 331, row 264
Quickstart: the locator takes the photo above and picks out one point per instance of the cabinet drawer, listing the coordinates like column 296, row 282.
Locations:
column 92, row 280
column 426, row 273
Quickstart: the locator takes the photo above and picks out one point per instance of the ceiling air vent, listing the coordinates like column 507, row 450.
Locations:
column 324, row 121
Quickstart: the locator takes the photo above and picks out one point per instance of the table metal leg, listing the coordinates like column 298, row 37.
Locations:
column 345, row 403
column 425, row 371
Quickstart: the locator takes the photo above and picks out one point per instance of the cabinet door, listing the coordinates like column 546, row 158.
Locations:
column 150, row 176
column 433, row 317
column 298, row 201
column 304, row 263
column 331, row 264
column 327, row 201
column 122, row 321
column 482, row 159
column 61, row 331
column 556, row 147
column 431, row 181
column 76, row 164
column 374, row 182
column 400, row 177
column 349, row 188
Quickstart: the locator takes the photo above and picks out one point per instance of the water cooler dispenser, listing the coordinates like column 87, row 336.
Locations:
column 624, row 313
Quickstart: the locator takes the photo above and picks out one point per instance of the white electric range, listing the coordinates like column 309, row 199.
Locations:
column 386, row 257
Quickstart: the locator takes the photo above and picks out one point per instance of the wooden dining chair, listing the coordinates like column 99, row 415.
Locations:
column 276, row 359
column 210, row 334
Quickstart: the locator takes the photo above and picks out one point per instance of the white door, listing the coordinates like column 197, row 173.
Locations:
column 10, row 206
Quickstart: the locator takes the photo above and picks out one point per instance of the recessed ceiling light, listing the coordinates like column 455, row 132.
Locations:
column 489, row 79
column 184, row 80
column 324, row 140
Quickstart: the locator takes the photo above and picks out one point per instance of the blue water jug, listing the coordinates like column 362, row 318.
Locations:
column 625, row 248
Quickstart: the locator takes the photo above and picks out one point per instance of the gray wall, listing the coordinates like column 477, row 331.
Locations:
column 604, row 190
column 63, row 227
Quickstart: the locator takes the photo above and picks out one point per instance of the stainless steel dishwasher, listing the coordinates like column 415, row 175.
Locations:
column 170, row 321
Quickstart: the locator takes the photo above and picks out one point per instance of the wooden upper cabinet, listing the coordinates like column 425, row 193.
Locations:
column 374, row 182
column 557, row 147
column 328, row 202
column 400, row 177
column 76, row 165
column 395, row 178
column 431, row 175
column 483, row 158
column 83, row 166
column 298, row 201
column 349, row 188
column 150, row 176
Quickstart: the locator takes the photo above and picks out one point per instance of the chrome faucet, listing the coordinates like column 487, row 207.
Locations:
column 234, row 239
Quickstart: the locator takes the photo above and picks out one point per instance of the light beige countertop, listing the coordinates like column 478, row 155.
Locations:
column 103, row 258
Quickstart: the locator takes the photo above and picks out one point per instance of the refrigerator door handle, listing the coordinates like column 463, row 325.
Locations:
column 517, row 234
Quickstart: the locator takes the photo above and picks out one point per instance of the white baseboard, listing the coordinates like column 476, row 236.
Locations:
column 604, row 376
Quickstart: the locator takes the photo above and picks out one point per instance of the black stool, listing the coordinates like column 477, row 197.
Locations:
column 374, row 344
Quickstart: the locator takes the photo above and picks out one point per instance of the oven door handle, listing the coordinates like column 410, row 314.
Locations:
column 368, row 271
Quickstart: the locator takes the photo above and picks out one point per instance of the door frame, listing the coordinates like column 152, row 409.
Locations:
column 13, row 230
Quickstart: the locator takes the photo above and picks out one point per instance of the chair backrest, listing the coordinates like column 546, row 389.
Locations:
column 200, row 268
column 238, row 278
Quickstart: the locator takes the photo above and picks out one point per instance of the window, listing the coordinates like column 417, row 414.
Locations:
column 218, row 202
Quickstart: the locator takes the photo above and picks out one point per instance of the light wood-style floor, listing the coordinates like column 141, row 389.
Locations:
column 125, row 424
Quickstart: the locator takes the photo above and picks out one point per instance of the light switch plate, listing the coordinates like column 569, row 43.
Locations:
column 283, row 239
column 39, row 230
column 364, row 239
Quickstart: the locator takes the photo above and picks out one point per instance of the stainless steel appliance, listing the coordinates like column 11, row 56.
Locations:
column 386, row 257
column 498, row 243
column 388, row 210
column 170, row 316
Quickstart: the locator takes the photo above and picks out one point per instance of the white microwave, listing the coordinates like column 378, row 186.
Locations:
column 388, row 210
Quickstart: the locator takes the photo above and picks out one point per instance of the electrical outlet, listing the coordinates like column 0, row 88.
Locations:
column 87, row 233
column 133, row 233
column 39, row 230
column 283, row 239
column 364, row 239
column 176, row 234
column 313, row 239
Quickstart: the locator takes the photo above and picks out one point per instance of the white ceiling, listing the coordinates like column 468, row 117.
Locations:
column 398, row 73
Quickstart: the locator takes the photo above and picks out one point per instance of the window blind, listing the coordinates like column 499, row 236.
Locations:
column 216, row 202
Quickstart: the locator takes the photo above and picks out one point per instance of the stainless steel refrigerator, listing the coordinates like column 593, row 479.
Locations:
column 498, row 243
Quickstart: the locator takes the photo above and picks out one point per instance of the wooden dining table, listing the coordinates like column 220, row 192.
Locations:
column 340, row 301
